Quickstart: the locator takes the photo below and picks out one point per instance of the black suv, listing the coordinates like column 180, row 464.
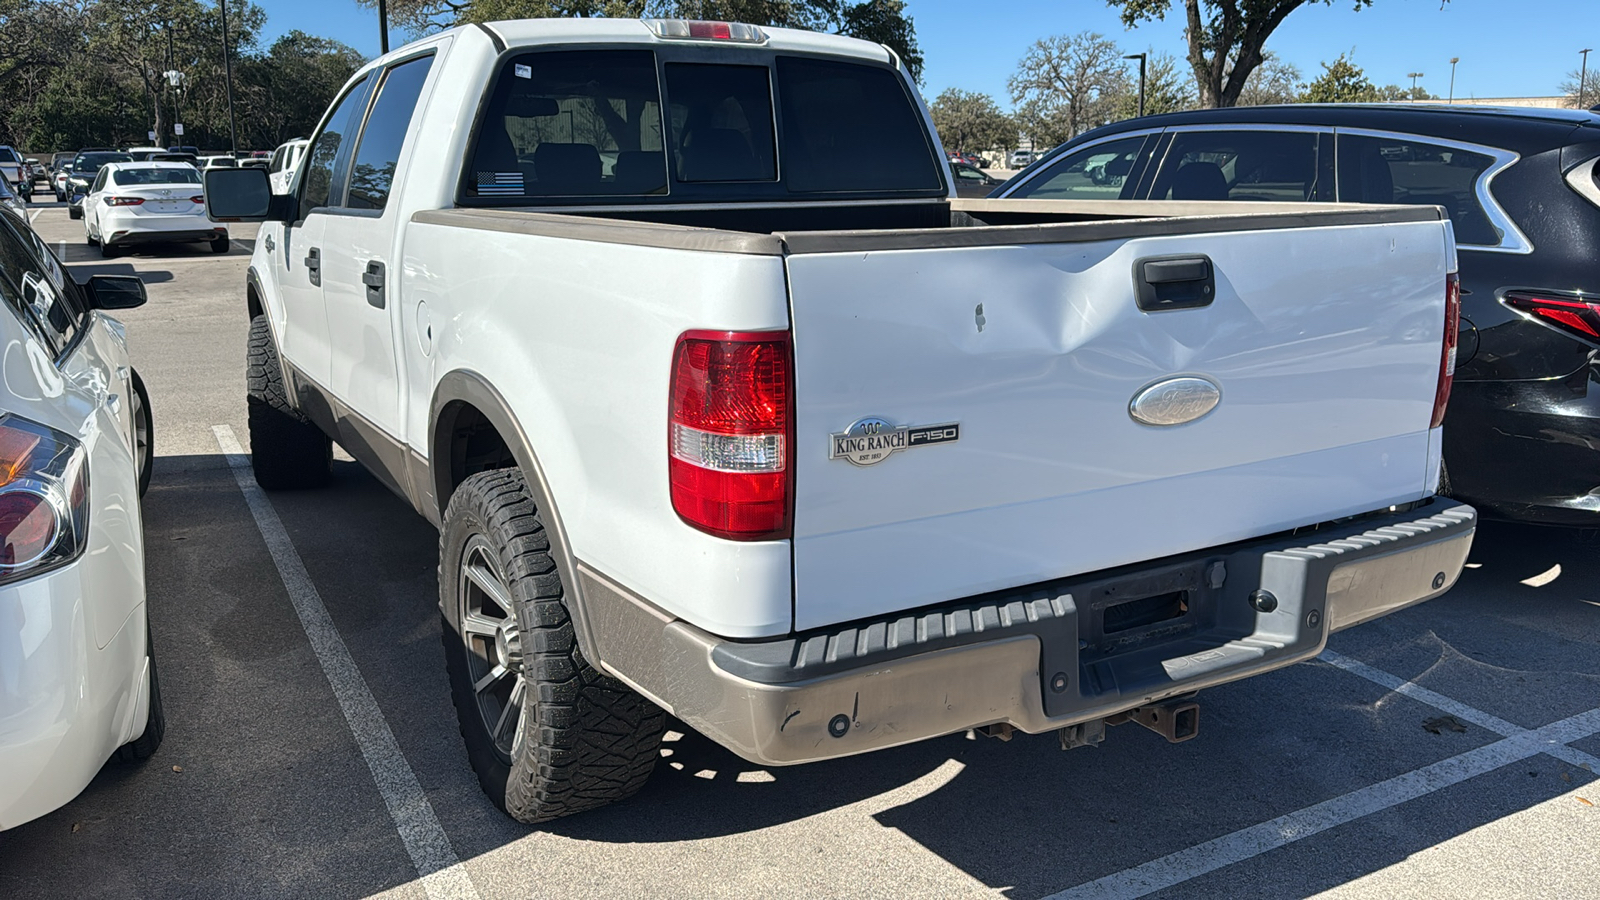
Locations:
column 1522, row 187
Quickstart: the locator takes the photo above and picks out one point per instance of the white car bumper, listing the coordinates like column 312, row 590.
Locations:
column 124, row 226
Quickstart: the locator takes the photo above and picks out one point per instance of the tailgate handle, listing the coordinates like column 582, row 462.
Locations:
column 373, row 279
column 314, row 266
column 1174, row 282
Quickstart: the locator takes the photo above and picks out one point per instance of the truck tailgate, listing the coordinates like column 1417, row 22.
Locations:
column 1022, row 360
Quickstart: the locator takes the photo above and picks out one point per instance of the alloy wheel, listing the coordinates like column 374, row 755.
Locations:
column 494, row 646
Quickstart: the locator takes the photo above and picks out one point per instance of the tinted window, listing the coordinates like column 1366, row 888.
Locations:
column 1098, row 172
column 37, row 288
column 154, row 175
column 385, row 132
column 8, row 155
column 851, row 128
column 1239, row 165
column 320, row 189
column 571, row 123
column 721, row 123
column 88, row 163
column 1399, row 170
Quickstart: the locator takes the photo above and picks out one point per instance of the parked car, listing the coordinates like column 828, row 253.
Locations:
column 1520, row 186
column 78, row 682
column 220, row 161
column 191, row 150
column 145, row 202
column 12, row 201
column 12, row 167
column 285, row 160
column 1021, row 158
column 970, row 159
column 143, row 154
column 921, row 474
column 84, row 169
column 57, row 160
column 176, row 157
column 972, row 181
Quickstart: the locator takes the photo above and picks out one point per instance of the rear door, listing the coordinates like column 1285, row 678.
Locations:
column 358, row 272
column 1019, row 373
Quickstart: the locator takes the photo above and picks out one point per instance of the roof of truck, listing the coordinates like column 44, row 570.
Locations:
column 599, row 30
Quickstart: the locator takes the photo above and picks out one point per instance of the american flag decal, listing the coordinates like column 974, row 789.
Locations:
column 499, row 184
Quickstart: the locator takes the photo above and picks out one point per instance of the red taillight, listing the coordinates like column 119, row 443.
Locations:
column 197, row 198
column 27, row 527
column 715, row 30
column 729, row 431
column 1447, row 356
column 124, row 201
column 1569, row 315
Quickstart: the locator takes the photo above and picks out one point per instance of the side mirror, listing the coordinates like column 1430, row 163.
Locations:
column 115, row 291
column 244, row 195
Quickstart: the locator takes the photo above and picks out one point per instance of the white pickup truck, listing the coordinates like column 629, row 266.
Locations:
column 726, row 408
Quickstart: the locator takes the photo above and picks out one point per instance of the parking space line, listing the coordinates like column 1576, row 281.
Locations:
column 1455, row 708
column 34, row 215
column 1247, row 843
column 436, row 862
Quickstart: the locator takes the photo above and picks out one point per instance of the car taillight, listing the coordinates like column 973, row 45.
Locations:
column 1447, row 356
column 1569, row 314
column 124, row 201
column 730, row 426
column 44, row 498
column 700, row 30
column 198, row 198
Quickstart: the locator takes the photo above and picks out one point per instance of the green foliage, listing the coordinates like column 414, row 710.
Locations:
column 1342, row 81
column 971, row 122
column 1226, row 38
column 1274, row 81
column 885, row 22
column 1168, row 88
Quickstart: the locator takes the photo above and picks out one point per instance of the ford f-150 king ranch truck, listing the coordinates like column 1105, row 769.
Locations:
column 726, row 408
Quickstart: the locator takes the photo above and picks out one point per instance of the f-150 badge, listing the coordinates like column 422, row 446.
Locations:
column 870, row 441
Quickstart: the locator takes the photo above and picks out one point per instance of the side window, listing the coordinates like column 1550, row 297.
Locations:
column 1401, row 170
column 571, row 123
column 1274, row 166
column 378, row 152
column 330, row 149
column 721, row 122
column 38, row 289
column 278, row 157
column 849, row 127
column 1097, row 172
column 100, row 182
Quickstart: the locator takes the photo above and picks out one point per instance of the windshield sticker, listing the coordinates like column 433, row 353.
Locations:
column 524, row 71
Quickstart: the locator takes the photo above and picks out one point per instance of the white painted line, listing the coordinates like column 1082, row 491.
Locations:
column 63, row 254
column 441, row 871
column 1460, row 710
column 1179, row 867
column 1421, row 694
column 34, row 215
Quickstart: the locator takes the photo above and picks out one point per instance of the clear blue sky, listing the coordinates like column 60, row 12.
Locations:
column 1507, row 49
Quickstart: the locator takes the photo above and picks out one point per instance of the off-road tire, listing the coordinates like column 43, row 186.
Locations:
column 586, row 740
column 155, row 721
column 287, row 451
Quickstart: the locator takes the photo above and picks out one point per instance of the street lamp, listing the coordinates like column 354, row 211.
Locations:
column 1453, row 61
column 175, row 79
column 227, row 73
column 1141, row 58
column 1583, row 74
column 383, row 26
column 1414, row 76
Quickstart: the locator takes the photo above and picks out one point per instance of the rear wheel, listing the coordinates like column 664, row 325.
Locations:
column 108, row 249
column 155, row 721
column 547, row 733
column 287, row 451
column 144, row 434
column 220, row 245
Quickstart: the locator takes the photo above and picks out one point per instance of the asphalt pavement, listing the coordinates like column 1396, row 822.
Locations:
column 1444, row 751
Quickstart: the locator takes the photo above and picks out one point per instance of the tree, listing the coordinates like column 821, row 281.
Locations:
column 1591, row 87
column 1342, row 81
column 971, row 122
column 1166, row 88
column 885, row 22
column 1067, row 84
column 1394, row 93
column 1274, row 81
column 1225, row 38
column 286, row 90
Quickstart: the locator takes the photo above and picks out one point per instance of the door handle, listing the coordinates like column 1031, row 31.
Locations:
column 314, row 266
column 373, row 279
column 1186, row 281
column 268, row 242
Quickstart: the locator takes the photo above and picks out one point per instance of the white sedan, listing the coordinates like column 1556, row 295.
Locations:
column 141, row 202
column 77, row 678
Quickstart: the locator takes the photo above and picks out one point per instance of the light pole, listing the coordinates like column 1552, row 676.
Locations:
column 1453, row 61
column 1141, row 58
column 227, row 74
column 1583, row 75
column 1414, row 76
column 383, row 25
column 175, row 78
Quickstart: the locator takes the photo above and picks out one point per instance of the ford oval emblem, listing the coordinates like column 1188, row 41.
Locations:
column 1174, row 401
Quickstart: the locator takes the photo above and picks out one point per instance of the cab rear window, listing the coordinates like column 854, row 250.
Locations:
column 624, row 125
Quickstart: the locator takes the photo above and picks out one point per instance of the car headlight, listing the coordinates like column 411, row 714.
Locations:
column 44, row 498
